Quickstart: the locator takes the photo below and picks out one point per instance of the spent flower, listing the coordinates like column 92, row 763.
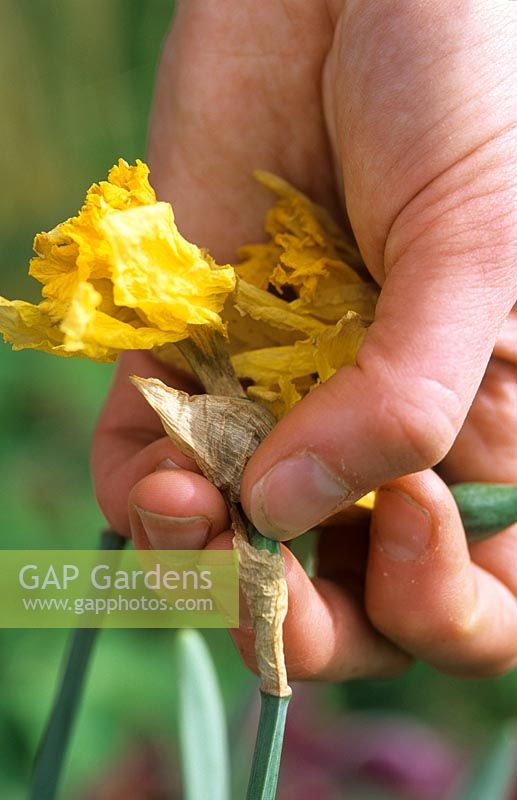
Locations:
column 302, row 304
column 118, row 276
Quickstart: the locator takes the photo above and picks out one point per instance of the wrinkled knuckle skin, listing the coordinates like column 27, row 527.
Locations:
column 480, row 666
column 422, row 427
column 415, row 631
column 427, row 445
column 495, row 668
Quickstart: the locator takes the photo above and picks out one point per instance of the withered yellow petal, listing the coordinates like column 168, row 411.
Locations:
column 257, row 263
column 306, row 248
column 79, row 316
column 310, row 257
column 337, row 346
column 25, row 325
column 134, row 180
column 284, row 374
column 246, row 333
column 92, row 333
column 77, row 242
column 265, row 307
column 268, row 365
column 331, row 302
column 366, row 501
column 171, row 281
column 279, row 400
column 56, row 255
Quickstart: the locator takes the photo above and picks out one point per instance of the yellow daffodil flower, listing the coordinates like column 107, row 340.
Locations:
column 286, row 347
column 116, row 277
column 120, row 276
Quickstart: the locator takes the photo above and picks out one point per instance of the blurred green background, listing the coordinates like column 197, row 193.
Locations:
column 76, row 81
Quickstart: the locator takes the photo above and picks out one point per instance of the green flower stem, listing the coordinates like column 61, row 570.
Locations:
column 273, row 713
column 260, row 542
column 54, row 744
column 268, row 748
column 206, row 353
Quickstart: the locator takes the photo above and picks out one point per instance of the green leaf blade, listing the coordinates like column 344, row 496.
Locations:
column 202, row 723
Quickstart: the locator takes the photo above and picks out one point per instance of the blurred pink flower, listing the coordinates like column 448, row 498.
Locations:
column 324, row 756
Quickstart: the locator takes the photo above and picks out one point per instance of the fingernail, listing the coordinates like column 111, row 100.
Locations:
column 174, row 533
column 167, row 463
column 405, row 528
column 294, row 496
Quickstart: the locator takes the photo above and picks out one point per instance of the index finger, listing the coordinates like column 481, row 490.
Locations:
column 129, row 441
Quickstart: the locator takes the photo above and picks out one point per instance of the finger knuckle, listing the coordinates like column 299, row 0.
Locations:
column 424, row 420
column 419, row 630
column 494, row 667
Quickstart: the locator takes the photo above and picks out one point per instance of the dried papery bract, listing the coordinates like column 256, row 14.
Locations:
column 262, row 581
column 219, row 433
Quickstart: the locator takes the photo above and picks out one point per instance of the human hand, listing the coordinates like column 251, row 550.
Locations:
column 403, row 113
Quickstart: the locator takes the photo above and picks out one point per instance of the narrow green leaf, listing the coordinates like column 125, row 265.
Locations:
column 202, row 723
column 53, row 748
column 493, row 775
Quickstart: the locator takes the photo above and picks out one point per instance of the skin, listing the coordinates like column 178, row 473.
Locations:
column 397, row 117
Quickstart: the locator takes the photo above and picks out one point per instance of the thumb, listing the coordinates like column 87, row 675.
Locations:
column 399, row 409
